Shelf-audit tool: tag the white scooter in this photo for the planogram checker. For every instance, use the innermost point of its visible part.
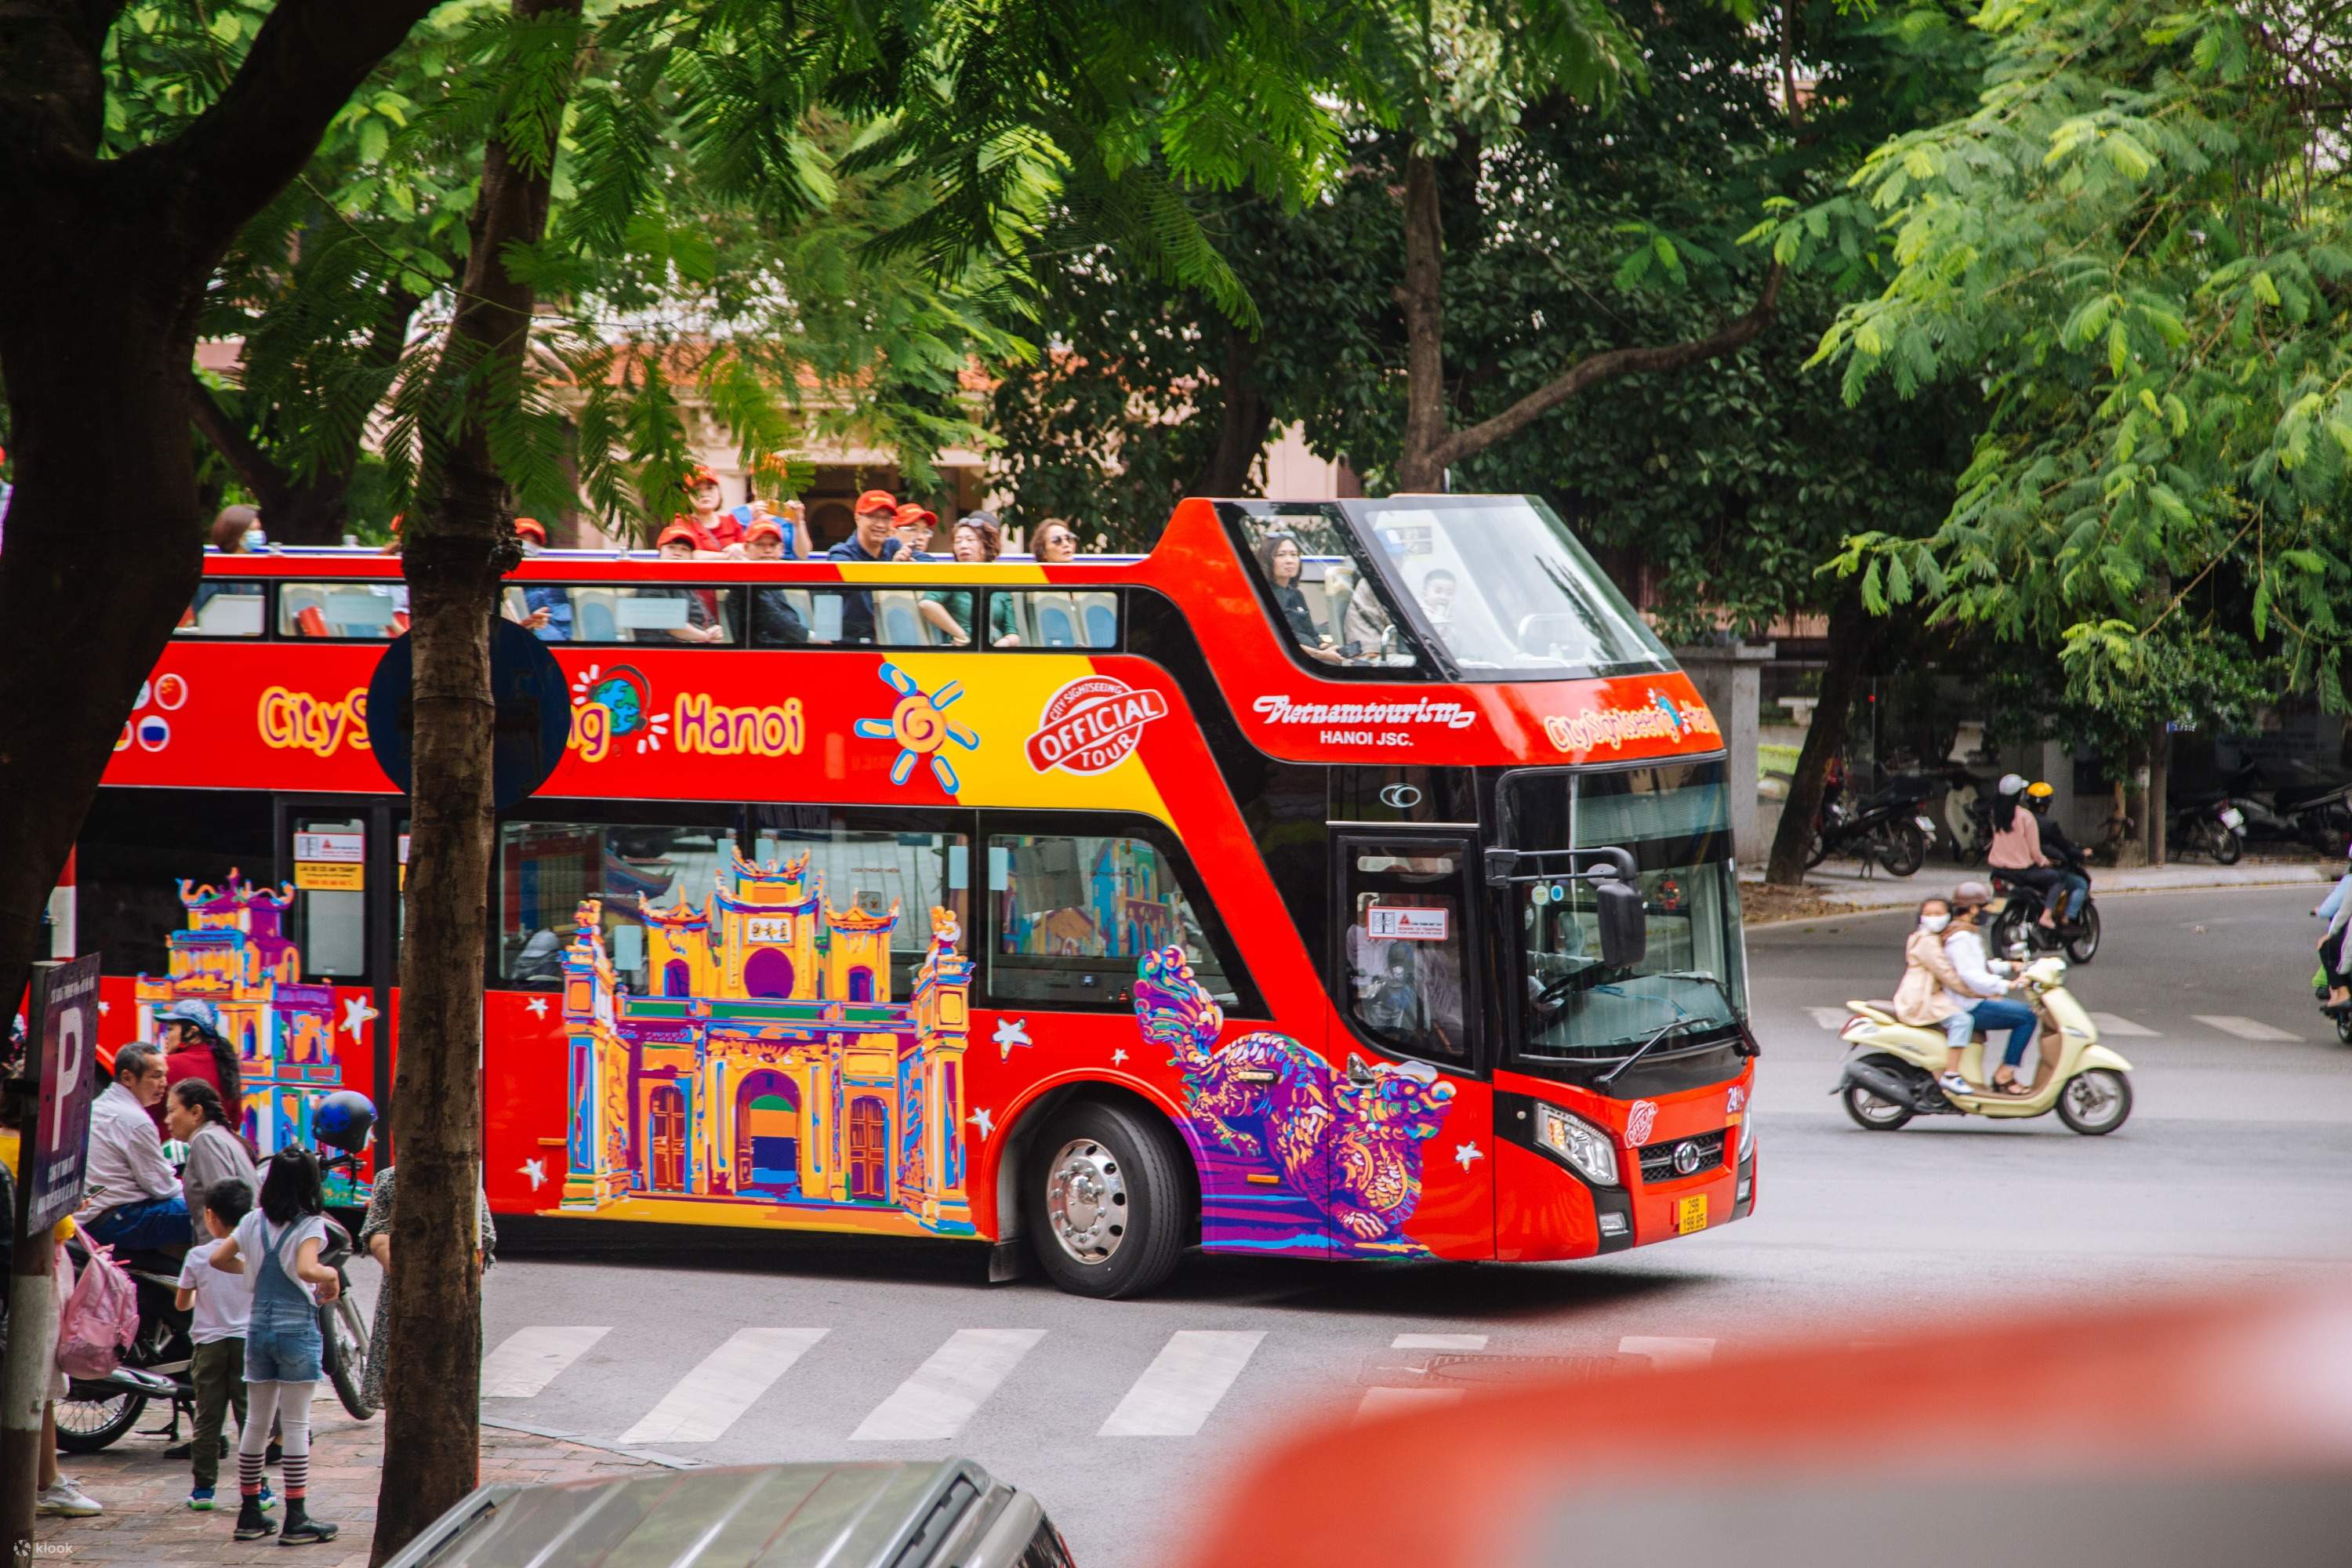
(1891, 1076)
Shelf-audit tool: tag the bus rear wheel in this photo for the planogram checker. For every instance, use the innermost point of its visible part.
(1103, 1201)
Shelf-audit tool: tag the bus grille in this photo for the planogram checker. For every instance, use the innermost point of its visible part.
(1658, 1158)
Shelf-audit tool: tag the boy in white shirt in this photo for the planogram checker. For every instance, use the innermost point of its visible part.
(222, 1303)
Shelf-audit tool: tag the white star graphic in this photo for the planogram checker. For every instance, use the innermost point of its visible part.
(984, 1121)
(104, 1008)
(1465, 1153)
(1010, 1032)
(538, 1005)
(356, 1013)
(536, 1170)
(1117, 1056)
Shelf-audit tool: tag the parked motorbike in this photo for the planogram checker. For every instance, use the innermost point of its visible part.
(2017, 924)
(1891, 1075)
(2313, 809)
(1967, 816)
(2207, 825)
(1891, 826)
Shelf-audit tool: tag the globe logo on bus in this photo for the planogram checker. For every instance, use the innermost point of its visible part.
(1092, 725)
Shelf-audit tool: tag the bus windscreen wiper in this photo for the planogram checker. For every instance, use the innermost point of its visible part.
(1671, 1026)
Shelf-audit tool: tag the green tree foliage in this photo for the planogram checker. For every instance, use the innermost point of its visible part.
(2136, 242)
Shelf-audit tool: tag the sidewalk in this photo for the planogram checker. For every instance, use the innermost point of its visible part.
(147, 1522)
(1840, 887)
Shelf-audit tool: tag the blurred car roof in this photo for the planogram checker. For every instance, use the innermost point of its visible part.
(903, 1515)
(2158, 1436)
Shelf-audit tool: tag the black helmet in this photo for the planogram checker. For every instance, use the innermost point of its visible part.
(343, 1120)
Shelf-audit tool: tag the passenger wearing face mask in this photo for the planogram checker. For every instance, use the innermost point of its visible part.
(1983, 993)
(1924, 1000)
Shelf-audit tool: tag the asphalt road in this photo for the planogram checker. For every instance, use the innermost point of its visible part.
(1122, 1416)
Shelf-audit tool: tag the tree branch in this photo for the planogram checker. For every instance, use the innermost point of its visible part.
(1609, 364)
(309, 59)
(260, 473)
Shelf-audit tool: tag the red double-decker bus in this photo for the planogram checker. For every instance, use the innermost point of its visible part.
(1341, 879)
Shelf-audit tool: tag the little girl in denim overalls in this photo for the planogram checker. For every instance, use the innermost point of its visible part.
(279, 1243)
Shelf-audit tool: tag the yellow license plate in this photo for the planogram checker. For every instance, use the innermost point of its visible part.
(1690, 1213)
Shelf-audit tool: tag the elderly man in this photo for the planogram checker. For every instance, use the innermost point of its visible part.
(132, 1202)
(874, 539)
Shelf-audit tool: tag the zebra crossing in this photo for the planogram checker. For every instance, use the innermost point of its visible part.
(2116, 1026)
(1194, 1373)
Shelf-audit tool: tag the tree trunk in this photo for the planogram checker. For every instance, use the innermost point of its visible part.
(1853, 631)
(2159, 776)
(1422, 295)
(460, 544)
(1244, 420)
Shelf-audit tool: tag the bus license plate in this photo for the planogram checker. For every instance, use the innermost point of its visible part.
(1690, 1213)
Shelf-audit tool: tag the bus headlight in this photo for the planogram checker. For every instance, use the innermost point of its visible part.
(1577, 1141)
(1747, 1137)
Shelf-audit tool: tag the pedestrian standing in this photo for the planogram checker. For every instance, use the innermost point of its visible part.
(60, 1496)
(279, 1245)
(375, 1236)
(218, 1153)
(222, 1305)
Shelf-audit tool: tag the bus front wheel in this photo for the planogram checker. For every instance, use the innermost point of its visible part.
(1103, 1200)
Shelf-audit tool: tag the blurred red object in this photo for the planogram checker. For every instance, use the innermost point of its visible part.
(2189, 1434)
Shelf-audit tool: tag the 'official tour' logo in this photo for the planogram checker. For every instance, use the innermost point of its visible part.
(1093, 724)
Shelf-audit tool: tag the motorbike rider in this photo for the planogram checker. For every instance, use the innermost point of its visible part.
(1984, 991)
(2016, 851)
(2064, 854)
(2337, 911)
(1924, 999)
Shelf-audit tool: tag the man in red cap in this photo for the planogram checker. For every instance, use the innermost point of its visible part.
(548, 608)
(870, 540)
(710, 527)
(703, 623)
(914, 525)
(775, 622)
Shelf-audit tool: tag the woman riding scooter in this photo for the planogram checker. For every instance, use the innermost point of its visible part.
(1983, 993)
(1924, 999)
(2337, 911)
(2016, 851)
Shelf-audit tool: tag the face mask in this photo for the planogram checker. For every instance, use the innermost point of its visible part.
(1934, 922)
(253, 538)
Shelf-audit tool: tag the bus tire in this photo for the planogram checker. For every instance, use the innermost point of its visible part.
(1103, 1200)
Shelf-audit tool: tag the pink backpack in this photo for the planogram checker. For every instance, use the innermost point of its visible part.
(100, 1319)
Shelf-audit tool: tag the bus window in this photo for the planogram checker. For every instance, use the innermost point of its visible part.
(870, 870)
(866, 618)
(1060, 617)
(342, 610)
(224, 610)
(1402, 985)
(1326, 598)
(546, 868)
(628, 613)
(330, 918)
(136, 846)
(1075, 913)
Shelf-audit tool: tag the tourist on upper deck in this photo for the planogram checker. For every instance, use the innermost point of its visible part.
(1437, 591)
(702, 620)
(706, 522)
(949, 611)
(914, 525)
(774, 619)
(547, 610)
(236, 530)
(871, 539)
(1057, 541)
(1279, 559)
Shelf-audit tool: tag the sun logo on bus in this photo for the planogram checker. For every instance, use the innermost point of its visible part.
(916, 723)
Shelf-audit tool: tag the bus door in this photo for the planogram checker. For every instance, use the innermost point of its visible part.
(345, 856)
(1411, 1056)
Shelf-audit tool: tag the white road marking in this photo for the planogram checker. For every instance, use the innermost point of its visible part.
(1831, 1018)
(2114, 1024)
(709, 1400)
(945, 1390)
(530, 1359)
(1438, 1342)
(2244, 1028)
(1666, 1351)
(1394, 1401)
(1191, 1373)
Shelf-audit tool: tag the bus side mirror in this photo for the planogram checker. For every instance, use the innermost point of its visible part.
(1624, 924)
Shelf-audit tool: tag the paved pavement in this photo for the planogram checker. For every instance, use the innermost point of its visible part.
(1124, 1416)
(1869, 887)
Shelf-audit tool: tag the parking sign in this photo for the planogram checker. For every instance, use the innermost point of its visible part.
(65, 1001)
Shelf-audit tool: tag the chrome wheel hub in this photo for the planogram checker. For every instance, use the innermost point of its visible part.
(1085, 1200)
(2091, 1099)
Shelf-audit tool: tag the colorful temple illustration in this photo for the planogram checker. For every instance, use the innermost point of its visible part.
(774, 1071)
(235, 957)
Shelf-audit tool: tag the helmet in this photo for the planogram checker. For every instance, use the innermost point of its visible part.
(343, 1120)
(2039, 789)
(1972, 892)
(189, 1010)
(2012, 784)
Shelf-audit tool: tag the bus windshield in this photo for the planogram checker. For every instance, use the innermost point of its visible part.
(1506, 589)
(1673, 818)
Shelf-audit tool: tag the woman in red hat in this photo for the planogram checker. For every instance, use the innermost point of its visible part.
(703, 623)
(712, 529)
